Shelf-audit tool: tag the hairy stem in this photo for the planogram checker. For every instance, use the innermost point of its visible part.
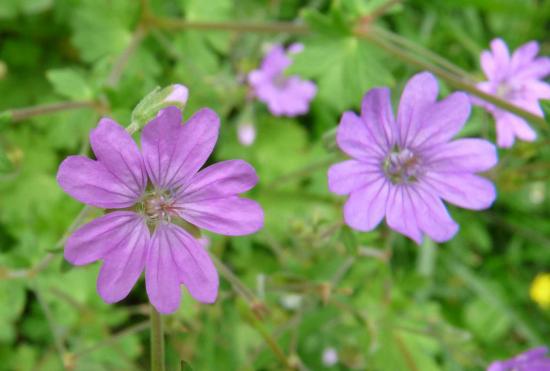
(157, 341)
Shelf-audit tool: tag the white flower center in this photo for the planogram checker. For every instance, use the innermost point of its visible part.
(402, 166)
(157, 206)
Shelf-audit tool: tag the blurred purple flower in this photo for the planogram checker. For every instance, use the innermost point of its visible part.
(532, 360)
(154, 190)
(402, 169)
(517, 79)
(284, 95)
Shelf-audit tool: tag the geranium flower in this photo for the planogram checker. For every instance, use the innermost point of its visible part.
(532, 360)
(149, 195)
(517, 79)
(402, 169)
(284, 95)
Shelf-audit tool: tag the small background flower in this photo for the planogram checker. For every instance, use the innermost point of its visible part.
(284, 95)
(518, 79)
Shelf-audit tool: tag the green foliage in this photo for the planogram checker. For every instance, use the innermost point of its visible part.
(380, 301)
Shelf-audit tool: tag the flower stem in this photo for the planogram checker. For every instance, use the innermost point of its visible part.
(157, 341)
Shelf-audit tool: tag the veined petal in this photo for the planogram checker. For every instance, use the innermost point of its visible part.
(92, 183)
(118, 152)
(354, 138)
(94, 240)
(196, 270)
(347, 176)
(442, 121)
(366, 206)
(465, 190)
(174, 153)
(419, 93)
(176, 257)
(433, 218)
(123, 264)
(226, 178)
(469, 155)
(402, 214)
(230, 216)
(377, 114)
(162, 278)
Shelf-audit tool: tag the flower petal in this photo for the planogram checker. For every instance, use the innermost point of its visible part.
(176, 257)
(501, 58)
(433, 218)
(174, 153)
(419, 93)
(92, 183)
(366, 206)
(196, 270)
(94, 240)
(123, 265)
(162, 277)
(231, 216)
(222, 179)
(470, 155)
(401, 214)
(377, 113)
(524, 55)
(465, 190)
(538, 69)
(350, 175)
(488, 65)
(510, 126)
(354, 138)
(442, 121)
(118, 152)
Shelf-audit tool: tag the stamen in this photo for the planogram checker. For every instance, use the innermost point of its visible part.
(402, 166)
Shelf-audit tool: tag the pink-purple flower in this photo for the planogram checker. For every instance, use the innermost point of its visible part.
(284, 95)
(535, 359)
(518, 79)
(149, 195)
(404, 168)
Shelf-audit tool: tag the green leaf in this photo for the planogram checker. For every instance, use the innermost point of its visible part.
(332, 24)
(344, 67)
(70, 83)
(486, 321)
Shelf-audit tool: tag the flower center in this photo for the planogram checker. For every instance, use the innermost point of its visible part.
(402, 166)
(157, 206)
(505, 91)
(280, 80)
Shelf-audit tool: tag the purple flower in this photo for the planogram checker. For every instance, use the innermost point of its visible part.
(518, 80)
(155, 191)
(284, 95)
(402, 169)
(531, 360)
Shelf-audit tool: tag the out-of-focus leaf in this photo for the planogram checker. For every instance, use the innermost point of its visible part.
(70, 83)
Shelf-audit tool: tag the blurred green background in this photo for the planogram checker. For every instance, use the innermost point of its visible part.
(307, 286)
